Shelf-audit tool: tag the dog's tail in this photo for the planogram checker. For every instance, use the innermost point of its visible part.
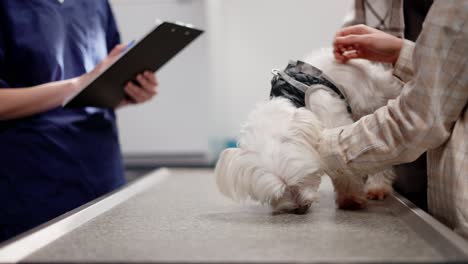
(240, 179)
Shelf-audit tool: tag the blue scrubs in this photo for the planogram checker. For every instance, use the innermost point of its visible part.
(53, 162)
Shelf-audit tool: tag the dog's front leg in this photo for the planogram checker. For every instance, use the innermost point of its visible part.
(349, 191)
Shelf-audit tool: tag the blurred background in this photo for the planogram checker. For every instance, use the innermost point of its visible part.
(207, 91)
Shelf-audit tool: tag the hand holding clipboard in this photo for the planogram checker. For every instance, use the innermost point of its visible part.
(149, 54)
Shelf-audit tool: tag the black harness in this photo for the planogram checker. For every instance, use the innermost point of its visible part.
(299, 80)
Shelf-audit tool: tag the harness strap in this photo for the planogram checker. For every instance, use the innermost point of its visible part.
(325, 82)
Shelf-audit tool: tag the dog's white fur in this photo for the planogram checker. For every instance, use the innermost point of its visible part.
(275, 162)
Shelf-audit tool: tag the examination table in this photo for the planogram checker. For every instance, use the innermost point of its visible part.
(178, 216)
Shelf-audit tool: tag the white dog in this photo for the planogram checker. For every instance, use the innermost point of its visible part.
(275, 162)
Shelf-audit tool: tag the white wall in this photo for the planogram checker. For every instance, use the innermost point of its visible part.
(251, 37)
(244, 40)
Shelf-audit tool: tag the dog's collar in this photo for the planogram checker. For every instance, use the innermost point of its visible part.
(308, 79)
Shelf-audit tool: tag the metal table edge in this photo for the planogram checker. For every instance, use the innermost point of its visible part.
(436, 234)
(18, 248)
(444, 240)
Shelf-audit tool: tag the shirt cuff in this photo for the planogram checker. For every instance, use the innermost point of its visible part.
(403, 68)
(330, 151)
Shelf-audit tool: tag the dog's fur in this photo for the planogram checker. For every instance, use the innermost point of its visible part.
(275, 162)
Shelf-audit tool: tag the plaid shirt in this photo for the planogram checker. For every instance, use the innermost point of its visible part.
(429, 115)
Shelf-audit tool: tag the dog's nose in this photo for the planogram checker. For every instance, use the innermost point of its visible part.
(301, 209)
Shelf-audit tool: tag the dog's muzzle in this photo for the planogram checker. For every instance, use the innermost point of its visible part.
(299, 81)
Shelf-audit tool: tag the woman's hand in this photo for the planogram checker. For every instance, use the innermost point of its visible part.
(147, 82)
(84, 79)
(142, 93)
(365, 42)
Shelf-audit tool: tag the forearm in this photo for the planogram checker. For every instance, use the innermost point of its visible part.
(421, 118)
(387, 137)
(23, 102)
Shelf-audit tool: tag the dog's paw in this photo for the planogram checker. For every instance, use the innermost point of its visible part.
(378, 193)
(379, 185)
(351, 202)
(376, 189)
(298, 210)
(350, 193)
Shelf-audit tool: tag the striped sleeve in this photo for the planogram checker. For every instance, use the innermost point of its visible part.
(422, 117)
(403, 68)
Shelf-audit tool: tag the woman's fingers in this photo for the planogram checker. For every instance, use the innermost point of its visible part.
(117, 50)
(352, 54)
(147, 81)
(134, 92)
(138, 94)
(151, 78)
(354, 30)
(144, 83)
(339, 56)
(106, 62)
(146, 90)
(143, 93)
(350, 40)
(344, 53)
(368, 43)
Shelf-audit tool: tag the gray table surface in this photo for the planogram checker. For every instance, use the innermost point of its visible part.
(185, 219)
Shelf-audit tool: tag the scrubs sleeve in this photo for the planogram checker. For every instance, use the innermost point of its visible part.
(3, 83)
(112, 33)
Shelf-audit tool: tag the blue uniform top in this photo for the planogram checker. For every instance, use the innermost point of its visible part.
(55, 161)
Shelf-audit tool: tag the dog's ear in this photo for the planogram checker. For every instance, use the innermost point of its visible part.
(239, 177)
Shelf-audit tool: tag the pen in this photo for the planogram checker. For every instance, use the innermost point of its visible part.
(129, 45)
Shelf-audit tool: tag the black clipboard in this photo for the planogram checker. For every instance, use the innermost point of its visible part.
(150, 53)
